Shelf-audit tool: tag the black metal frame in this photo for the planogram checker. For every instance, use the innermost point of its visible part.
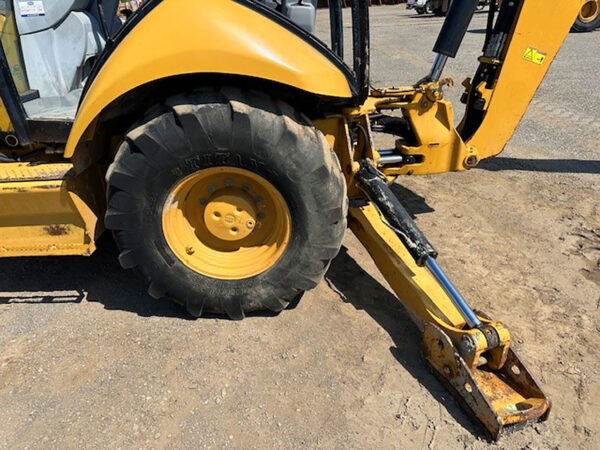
(361, 46)
(337, 27)
(12, 101)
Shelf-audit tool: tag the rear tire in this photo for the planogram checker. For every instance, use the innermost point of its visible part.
(252, 134)
(588, 18)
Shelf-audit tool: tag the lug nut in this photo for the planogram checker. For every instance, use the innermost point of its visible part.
(189, 250)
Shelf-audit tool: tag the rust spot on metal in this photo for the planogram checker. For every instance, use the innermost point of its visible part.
(57, 230)
(498, 398)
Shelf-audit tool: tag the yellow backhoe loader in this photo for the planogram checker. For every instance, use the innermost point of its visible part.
(228, 149)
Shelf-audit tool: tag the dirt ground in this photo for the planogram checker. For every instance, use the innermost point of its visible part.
(87, 359)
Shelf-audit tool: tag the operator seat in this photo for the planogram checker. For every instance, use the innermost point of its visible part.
(59, 49)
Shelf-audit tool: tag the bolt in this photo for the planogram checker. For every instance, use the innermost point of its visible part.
(250, 224)
(246, 186)
(211, 188)
(202, 201)
(258, 199)
(189, 250)
(228, 182)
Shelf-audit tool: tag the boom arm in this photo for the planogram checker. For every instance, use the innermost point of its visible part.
(510, 74)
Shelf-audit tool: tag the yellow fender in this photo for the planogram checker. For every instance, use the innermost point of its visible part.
(178, 37)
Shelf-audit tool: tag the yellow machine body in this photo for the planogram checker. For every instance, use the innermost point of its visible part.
(52, 209)
(48, 210)
(180, 37)
(525, 65)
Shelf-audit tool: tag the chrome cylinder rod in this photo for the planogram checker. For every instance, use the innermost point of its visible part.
(456, 297)
(438, 67)
(391, 159)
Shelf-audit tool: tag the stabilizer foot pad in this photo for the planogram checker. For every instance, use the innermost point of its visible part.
(500, 400)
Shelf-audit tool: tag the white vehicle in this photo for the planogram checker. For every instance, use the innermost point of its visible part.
(420, 6)
(437, 7)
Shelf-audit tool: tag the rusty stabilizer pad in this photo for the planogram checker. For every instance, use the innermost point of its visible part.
(500, 400)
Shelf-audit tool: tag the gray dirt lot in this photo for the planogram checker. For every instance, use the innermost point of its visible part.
(87, 359)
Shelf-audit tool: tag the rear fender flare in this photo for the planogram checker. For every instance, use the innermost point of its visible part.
(179, 37)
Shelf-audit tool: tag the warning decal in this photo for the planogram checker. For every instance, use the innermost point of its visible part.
(33, 8)
(535, 56)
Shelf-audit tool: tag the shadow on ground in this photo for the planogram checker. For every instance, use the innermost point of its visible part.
(365, 293)
(413, 202)
(541, 165)
(98, 278)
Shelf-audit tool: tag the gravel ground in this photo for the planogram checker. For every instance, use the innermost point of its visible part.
(87, 359)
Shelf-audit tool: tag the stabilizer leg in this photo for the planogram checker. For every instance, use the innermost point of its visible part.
(470, 353)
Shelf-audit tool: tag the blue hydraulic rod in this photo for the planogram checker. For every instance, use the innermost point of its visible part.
(456, 297)
(375, 186)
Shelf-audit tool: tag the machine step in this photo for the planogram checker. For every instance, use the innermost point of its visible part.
(48, 209)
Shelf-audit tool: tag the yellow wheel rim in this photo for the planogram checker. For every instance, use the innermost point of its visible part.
(589, 12)
(226, 223)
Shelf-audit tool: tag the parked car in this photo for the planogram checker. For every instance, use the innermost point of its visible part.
(420, 6)
(437, 7)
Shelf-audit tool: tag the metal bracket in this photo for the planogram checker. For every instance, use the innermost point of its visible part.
(499, 399)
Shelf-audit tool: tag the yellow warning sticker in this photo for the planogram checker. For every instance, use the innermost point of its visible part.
(534, 55)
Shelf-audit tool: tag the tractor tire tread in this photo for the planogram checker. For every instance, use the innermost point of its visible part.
(216, 120)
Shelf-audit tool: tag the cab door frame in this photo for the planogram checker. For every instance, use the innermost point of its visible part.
(13, 106)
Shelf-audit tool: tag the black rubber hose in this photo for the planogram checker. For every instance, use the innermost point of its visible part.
(455, 27)
(398, 218)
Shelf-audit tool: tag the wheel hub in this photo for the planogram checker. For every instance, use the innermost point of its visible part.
(231, 214)
(226, 222)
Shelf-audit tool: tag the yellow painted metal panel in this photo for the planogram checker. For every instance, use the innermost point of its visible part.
(39, 218)
(540, 32)
(42, 212)
(416, 287)
(216, 36)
